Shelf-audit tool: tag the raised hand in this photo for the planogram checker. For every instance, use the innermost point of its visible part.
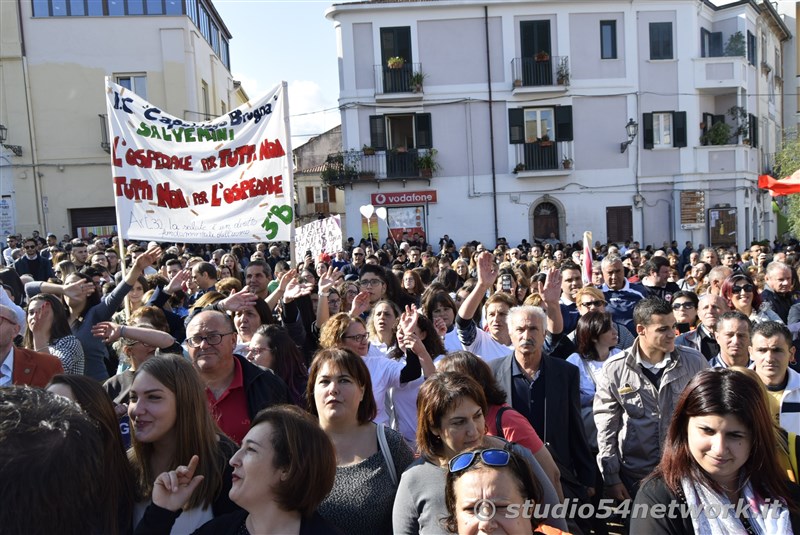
(441, 327)
(178, 281)
(487, 269)
(239, 301)
(107, 330)
(408, 319)
(295, 289)
(551, 289)
(79, 289)
(147, 259)
(173, 489)
(327, 280)
(360, 304)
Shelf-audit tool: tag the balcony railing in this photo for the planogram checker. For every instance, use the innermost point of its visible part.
(346, 167)
(540, 70)
(540, 156)
(398, 80)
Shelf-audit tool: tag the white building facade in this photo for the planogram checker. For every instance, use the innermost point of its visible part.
(525, 106)
(54, 55)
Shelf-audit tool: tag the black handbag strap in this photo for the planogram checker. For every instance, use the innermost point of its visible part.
(498, 421)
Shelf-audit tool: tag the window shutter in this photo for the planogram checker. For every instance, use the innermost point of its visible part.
(753, 127)
(309, 194)
(563, 118)
(377, 132)
(679, 129)
(647, 130)
(423, 126)
(516, 125)
(619, 223)
(716, 45)
(331, 194)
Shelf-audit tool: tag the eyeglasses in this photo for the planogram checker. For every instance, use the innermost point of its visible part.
(688, 305)
(358, 254)
(743, 288)
(359, 338)
(490, 457)
(591, 304)
(370, 282)
(212, 339)
(30, 247)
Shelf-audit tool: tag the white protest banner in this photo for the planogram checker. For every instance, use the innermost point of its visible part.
(225, 180)
(321, 236)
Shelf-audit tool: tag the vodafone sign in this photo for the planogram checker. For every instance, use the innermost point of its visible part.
(403, 198)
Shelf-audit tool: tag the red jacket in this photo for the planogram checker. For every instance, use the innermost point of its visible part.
(34, 369)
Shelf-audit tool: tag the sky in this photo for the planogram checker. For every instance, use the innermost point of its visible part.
(290, 41)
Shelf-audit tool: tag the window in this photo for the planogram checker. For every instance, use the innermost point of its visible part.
(710, 44)
(400, 131)
(320, 194)
(538, 123)
(526, 125)
(752, 54)
(135, 82)
(664, 129)
(608, 39)
(204, 96)
(619, 223)
(661, 40)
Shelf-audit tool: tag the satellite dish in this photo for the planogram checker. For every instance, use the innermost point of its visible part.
(381, 212)
(367, 210)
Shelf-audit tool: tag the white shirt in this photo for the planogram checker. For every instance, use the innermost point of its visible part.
(385, 373)
(488, 348)
(7, 368)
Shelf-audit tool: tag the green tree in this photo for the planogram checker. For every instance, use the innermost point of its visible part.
(787, 161)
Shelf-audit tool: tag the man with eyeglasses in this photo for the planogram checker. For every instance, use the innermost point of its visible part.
(31, 263)
(235, 388)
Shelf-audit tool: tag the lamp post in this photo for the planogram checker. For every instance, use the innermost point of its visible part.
(16, 149)
(632, 128)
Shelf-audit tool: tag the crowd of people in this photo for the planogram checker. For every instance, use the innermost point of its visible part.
(406, 387)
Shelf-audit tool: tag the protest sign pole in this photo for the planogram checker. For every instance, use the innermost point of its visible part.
(289, 171)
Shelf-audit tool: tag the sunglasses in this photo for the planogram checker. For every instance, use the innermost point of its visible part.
(489, 457)
(744, 287)
(589, 304)
(688, 305)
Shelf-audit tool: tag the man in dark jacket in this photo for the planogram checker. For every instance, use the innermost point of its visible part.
(777, 293)
(235, 388)
(31, 263)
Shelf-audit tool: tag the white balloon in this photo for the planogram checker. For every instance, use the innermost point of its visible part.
(367, 210)
(381, 212)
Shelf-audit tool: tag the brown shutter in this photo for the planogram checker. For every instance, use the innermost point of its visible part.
(309, 194)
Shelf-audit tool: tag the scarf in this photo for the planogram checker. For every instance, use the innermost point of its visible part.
(713, 513)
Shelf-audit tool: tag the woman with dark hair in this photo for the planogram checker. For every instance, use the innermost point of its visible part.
(272, 347)
(283, 470)
(684, 306)
(741, 294)
(117, 491)
(449, 279)
(412, 284)
(480, 478)
(86, 309)
(450, 419)
(48, 332)
(720, 455)
(439, 306)
(171, 423)
(369, 457)
(381, 283)
(247, 321)
(596, 339)
(501, 419)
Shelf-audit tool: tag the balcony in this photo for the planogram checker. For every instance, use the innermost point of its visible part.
(399, 83)
(345, 168)
(719, 75)
(543, 158)
(727, 159)
(540, 74)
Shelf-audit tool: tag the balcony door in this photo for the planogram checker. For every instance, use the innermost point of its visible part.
(536, 51)
(396, 42)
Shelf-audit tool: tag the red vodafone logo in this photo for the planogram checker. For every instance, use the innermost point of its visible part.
(403, 197)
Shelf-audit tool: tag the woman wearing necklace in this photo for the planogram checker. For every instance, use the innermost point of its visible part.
(719, 455)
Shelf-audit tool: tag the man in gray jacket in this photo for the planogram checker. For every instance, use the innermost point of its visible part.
(636, 394)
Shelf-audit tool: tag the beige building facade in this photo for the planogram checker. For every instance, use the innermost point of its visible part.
(54, 56)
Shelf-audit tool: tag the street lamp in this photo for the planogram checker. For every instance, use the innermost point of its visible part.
(16, 149)
(632, 128)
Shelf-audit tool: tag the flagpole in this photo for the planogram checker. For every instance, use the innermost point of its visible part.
(289, 183)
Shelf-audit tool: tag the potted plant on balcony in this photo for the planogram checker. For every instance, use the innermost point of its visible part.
(395, 62)
(416, 81)
(718, 134)
(735, 45)
(519, 168)
(427, 163)
(566, 163)
(544, 141)
(367, 150)
(541, 56)
(562, 73)
(517, 82)
(741, 121)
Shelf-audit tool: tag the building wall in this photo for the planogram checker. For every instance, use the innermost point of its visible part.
(63, 165)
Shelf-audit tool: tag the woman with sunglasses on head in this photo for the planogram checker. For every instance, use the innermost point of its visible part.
(684, 306)
(48, 332)
(489, 491)
(451, 410)
(369, 457)
(590, 299)
(720, 455)
(344, 332)
(741, 294)
(282, 472)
